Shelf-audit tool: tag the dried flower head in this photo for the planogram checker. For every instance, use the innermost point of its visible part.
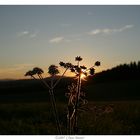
(37, 70)
(97, 63)
(29, 73)
(78, 58)
(72, 70)
(83, 67)
(53, 70)
(75, 66)
(62, 64)
(92, 71)
(68, 65)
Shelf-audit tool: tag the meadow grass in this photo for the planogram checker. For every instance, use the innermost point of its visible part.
(37, 119)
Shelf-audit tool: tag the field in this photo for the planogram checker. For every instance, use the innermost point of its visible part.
(30, 112)
(37, 118)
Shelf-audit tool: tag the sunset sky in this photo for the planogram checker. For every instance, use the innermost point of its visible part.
(42, 35)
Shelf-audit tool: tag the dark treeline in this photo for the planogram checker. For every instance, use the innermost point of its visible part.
(120, 82)
(121, 72)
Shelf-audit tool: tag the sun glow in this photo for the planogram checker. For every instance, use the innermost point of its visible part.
(82, 76)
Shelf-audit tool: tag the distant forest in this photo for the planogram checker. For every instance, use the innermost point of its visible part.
(121, 72)
(119, 83)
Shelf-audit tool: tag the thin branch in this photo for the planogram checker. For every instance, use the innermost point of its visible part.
(33, 77)
(60, 78)
(53, 102)
(55, 111)
(72, 114)
(52, 81)
(42, 79)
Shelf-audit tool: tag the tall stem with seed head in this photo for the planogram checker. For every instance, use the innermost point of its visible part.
(39, 71)
(75, 128)
(52, 70)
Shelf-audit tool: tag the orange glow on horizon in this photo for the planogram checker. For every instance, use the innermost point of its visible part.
(82, 76)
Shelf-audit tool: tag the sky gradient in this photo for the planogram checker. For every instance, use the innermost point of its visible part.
(42, 35)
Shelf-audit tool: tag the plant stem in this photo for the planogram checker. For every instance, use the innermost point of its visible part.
(76, 104)
(55, 111)
(33, 77)
(77, 100)
(68, 121)
(60, 78)
(42, 79)
(52, 98)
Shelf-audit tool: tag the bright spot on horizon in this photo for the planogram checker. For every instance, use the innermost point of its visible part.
(82, 76)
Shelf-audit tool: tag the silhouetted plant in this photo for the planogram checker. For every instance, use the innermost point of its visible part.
(75, 93)
(53, 71)
(30, 73)
(97, 63)
(71, 95)
(78, 58)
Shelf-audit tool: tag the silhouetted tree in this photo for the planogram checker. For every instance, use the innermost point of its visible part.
(120, 72)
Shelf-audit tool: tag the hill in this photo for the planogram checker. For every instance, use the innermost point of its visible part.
(119, 83)
(121, 72)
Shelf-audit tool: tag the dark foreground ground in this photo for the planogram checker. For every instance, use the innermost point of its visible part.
(24, 110)
(37, 118)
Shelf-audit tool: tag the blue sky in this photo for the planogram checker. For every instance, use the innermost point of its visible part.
(43, 35)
